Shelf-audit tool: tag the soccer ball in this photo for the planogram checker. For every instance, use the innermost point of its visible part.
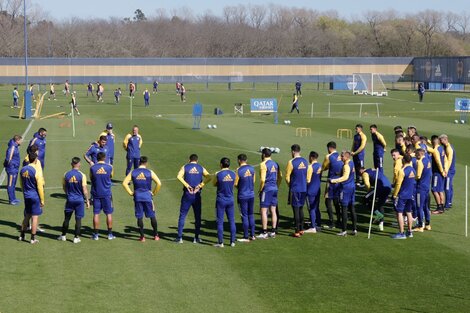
(456, 121)
(214, 126)
(272, 149)
(209, 126)
(261, 148)
(288, 122)
(277, 150)
(462, 121)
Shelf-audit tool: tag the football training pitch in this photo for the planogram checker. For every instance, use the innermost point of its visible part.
(316, 273)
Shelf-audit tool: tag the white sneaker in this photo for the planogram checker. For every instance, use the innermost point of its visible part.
(253, 238)
(33, 242)
(111, 237)
(354, 233)
(20, 238)
(232, 244)
(343, 233)
(219, 245)
(62, 238)
(76, 240)
(243, 240)
(272, 234)
(311, 230)
(197, 240)
(381, 226)
(262, 236)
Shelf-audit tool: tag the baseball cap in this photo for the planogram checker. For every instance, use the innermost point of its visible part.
(109, 126)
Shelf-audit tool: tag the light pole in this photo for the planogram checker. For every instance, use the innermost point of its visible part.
(27, 92)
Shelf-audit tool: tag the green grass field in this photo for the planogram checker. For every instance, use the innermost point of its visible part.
(317, 273)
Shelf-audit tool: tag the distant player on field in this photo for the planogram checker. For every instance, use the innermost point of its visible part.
(146, 94)
(295, 104)
(182, 93)
(52, 91)
(75, 188)
(224, 180)
(16, 96)
(421, 91)
(142, 178)
(117, 95)
(155, 87)
(131, 89)
(66, 88)
(89, 90)
(73, 103)
(298, 88)
(245, 182)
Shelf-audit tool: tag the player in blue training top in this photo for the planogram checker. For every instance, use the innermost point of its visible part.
(146, 94)
(295, 104)
(245, 183)
(110, 140)
(132, 144)
(403, 195)
(100, 176)
(334, 165)
(143, 194)
(358, 150)
(193, 177)
(449, 168)
(379, 147)
(33, 191)
(224, 180)
(270, 179)
(89, 89)
(383, 190)
(95, 148)
(16, 96)
(296, 179)
(155, 87)
(298, 88)
(39, 139)
(423, 185)
(75, 188)
(12, 166)
(347, 193)
(314, 191)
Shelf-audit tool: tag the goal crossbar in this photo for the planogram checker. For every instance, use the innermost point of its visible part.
(360, 104)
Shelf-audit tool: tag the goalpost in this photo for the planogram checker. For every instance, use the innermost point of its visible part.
(350, 108)
(368, 84)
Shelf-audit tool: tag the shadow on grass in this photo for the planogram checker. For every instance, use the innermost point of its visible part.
(12, 225)
(58, 195)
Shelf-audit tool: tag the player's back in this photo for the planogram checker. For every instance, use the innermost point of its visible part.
(272, 169)
(298, 177)
(225, 183)
(73, 183)
(246, 178)
(101, 180)
(142, 181)
(29, 182)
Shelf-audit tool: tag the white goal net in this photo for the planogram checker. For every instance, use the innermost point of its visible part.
(367, 84)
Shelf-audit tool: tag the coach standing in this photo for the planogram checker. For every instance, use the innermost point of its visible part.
(132, 144)
(245, 182)
(110, 139)
(12, 166)
(358, 150)
(39, 139)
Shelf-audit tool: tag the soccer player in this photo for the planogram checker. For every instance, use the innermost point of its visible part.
(224, 180)
(379, 147)
(296, 179)
(75, 188)
(100, 176)
(52, 91)
(117, 95)
(99, 92)
(411, 131)
(182, 93)
(423, 184)
(295, 104)
(400, 145)
(438, 174)
(131, 89)
(110, 140)
(132, 144)
(298, 88)
(89, 90)
(193, 177)
(178, 88)
(397, 164)
(449, 168)
(313, 192)
(346, 196)
(73, 102)
(334, 165)
(12, 166)
(270, 178)
(16, 96)
(403, 195)
(66, 88)
(421, 91)
(384, 187)
(142, 178)
(155, 87)
(245, 181)
(91, 156)
(358, 151)
(33, 192)
(39, 139)
(146, 94)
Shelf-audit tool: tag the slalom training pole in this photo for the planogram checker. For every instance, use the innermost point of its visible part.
(130, 107)
(311, 112)
(466, 201)
(373, 203)
(73, 120)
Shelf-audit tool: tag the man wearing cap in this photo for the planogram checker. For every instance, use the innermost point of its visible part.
(110, 139)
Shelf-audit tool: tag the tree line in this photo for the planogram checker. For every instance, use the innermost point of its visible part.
(240, 31)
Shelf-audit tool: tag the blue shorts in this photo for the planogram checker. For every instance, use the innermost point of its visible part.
(268, 199)
(333, 190)
(32, 207)
(105, 204)
(144, 207)
(437, 183)
(347, 197)
(77, 206)
(404, 205)
(297, 199)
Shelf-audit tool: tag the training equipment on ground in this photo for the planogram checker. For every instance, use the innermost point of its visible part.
(197, 114)
(214, 126)
(53, 115)
(462, 106)
(303, 131)
(373, 203)
(456, 121)
(352, 104)
(341, 131)
(238, 108)
(368, 84)
(209, 126)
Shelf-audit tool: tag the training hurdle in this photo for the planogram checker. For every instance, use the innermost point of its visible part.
(341, 131)
(238, 108)
(53, 115)
(300, 131)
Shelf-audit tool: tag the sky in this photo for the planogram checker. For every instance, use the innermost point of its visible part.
(60, 10)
